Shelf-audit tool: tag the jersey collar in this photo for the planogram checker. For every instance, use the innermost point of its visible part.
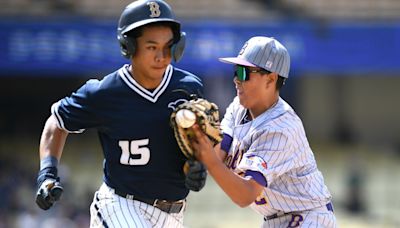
(152, 96)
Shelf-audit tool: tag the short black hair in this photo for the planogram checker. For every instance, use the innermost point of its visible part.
(280, 82)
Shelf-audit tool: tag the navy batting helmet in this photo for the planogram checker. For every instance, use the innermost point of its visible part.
(143, 12)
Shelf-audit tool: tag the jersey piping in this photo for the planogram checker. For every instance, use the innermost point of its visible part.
(60, 121)
(135, 86)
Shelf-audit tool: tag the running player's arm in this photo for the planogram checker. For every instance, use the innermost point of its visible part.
(52, 140)
(70, 115)
(242, 191)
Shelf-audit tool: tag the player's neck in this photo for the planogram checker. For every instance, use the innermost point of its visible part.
(147, 82)
(264, 106)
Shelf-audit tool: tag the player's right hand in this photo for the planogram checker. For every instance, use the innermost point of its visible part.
(49, 188)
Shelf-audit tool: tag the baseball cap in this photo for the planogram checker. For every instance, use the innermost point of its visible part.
(263, 52)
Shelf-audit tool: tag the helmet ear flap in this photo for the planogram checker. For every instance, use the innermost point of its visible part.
(179, 47)
(127, 44)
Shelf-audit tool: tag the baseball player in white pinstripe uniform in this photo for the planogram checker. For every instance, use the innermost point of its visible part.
(265, 145)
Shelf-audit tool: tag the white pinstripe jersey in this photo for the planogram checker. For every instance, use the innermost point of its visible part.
(274, 150)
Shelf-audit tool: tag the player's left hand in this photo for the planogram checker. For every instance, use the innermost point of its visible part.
(196, 175)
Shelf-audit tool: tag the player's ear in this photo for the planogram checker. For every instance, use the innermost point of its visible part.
(271, 79)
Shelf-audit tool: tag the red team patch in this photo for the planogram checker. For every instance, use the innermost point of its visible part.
(264, 164)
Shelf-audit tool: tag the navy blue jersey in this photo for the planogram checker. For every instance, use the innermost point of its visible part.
(141, 155)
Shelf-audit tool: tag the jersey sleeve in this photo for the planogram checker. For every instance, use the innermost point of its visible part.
(228, 121)
(198, 88)
(270, 154)
(78, 111)
(189, 83)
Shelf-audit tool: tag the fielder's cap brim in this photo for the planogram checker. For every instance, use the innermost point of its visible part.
(237, 61)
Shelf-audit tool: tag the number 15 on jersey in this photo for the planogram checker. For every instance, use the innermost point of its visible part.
(134, 152)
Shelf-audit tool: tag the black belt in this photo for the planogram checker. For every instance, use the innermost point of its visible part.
(164, 205)
(329, 207)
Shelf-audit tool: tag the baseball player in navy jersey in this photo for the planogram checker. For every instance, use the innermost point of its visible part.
(144, 183)
(264, 144)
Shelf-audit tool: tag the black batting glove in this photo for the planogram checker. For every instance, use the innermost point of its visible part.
(196, 175)
(49, 188)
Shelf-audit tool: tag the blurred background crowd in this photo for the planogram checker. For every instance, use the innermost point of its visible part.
(344, 84)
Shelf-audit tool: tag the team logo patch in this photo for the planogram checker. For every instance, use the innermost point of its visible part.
(258, 162)
(262, 166)
(243, 48)
(268, 64)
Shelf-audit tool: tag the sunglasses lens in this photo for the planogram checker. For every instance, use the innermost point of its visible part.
(241, 73)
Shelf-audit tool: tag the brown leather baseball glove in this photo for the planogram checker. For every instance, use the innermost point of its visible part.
(206, 115)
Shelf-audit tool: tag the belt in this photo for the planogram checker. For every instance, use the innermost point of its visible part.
(164, 205)
(328, 206)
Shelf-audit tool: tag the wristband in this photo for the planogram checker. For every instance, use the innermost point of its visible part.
(226, 142)
(48, 161)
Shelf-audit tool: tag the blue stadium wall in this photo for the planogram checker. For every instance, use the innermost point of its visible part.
(64, 47)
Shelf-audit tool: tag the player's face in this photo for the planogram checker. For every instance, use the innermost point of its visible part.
(152, 55)
(253, 89)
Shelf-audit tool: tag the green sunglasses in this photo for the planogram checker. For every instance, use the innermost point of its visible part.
(243, 73)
